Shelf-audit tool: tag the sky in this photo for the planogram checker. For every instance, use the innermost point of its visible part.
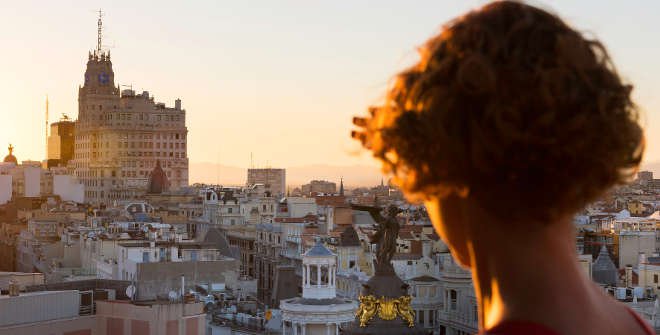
(278, 81)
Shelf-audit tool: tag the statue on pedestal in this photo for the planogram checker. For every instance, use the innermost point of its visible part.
(385, 306)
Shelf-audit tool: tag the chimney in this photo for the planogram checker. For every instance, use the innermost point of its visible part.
(14, 288)
(177, 104)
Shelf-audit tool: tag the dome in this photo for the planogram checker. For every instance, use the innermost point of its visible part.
(603, 270)
(349, 238)
(158, 182)
(10, 158)
(318, 250)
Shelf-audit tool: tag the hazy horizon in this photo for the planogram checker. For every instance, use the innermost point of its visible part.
(278, 82)
(354, 176)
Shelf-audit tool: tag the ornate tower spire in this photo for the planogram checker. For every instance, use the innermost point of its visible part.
(341, 186)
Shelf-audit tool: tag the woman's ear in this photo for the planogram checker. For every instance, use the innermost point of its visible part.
(449, 217)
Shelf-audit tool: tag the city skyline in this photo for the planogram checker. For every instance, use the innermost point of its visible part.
(252, 76)
(329, 168)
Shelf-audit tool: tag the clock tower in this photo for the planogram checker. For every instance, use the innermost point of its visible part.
(98, 93)
(98, 104)
(121, 137)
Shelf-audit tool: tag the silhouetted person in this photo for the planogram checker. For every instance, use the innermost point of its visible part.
(509, 124)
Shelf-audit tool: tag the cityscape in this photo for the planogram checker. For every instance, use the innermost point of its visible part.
(110, 233)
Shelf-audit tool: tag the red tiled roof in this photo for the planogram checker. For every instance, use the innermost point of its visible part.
(405, 256)
(331, 200)
(406, 235)
(305, 219)
(413, 228)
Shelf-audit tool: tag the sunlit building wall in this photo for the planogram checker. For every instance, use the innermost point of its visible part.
(120, 135)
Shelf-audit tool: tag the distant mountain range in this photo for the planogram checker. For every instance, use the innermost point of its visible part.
(354, 176)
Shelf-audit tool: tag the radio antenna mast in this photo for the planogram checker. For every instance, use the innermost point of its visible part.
(46, 126)
(99, 33)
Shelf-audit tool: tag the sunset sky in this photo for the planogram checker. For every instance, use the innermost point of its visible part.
(278, 79)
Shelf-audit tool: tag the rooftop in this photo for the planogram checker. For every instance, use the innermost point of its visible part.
(318, 250)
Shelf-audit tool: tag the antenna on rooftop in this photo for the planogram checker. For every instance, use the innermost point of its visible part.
(218, 168)
(251, 161)
(99, 32)
(46, 126)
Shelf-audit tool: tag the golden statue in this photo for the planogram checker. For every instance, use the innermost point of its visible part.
(367, 309)
(405, 311)
(387, 309)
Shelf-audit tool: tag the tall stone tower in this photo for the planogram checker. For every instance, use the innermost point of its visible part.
(120, 136)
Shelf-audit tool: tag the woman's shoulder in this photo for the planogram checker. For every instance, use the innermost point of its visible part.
(533, 328)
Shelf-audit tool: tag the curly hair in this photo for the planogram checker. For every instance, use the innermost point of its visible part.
(512, 104)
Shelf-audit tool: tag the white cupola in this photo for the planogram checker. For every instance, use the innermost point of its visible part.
(319, 273)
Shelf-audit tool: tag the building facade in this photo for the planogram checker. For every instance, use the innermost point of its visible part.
(61, 142)
(269, 245)
(319, 186)
(120, 136)
(273, 179)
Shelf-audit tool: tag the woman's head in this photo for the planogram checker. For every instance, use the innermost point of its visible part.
(512, 108)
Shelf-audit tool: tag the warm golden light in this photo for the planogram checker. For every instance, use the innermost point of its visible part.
(492, 305)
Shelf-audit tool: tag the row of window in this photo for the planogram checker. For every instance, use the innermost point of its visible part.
(130, 116)
(139, 136)
(133, 144)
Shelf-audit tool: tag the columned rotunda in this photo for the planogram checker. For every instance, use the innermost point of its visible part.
(319, 311)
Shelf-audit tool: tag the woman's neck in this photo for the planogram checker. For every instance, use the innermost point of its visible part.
(528, 275)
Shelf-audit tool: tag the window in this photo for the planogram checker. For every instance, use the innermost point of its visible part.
(145, 257)
(229, 210)
(453, 300)
(655, 279)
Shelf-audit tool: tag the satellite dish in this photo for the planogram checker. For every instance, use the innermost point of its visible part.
(130, 291)
(173, 295)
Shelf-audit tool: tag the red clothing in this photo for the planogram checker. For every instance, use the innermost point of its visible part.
(532, 328)
(520, 328)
